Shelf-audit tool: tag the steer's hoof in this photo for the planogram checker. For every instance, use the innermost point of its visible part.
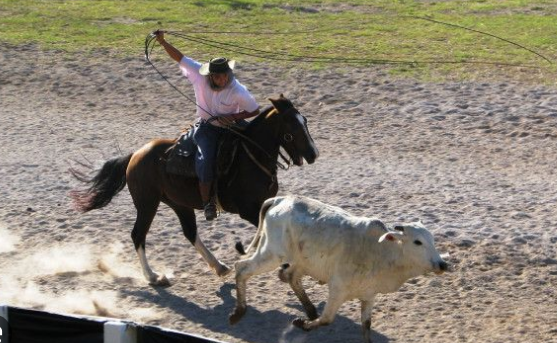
(300, 323)
(312, 314)
(236, 316)
(159, 281)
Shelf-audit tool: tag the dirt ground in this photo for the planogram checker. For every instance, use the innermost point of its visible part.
(474, 161)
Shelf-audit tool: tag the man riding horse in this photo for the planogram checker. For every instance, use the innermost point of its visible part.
(221, 100)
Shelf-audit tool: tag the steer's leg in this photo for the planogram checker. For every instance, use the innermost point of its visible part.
(262, 261)
(336, 298)
(367, 306)
(295, 282)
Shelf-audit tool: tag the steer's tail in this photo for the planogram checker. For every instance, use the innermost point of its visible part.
(262, 212)
(108, 182)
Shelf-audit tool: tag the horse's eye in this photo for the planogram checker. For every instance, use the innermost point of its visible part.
(417, 242)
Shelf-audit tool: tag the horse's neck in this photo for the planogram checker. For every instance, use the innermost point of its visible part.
(263, 131)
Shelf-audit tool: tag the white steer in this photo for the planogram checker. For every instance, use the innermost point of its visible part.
(357, 257)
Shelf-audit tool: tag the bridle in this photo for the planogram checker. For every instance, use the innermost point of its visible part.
(287, 137)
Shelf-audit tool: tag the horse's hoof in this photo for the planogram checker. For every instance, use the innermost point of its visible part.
(237, 315)
(300, 323)
(160, 281)
(224, 270)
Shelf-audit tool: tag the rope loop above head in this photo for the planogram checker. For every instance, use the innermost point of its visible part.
(149, 46)
(287, 57)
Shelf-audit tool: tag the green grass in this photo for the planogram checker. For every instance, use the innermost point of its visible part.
(381, 30)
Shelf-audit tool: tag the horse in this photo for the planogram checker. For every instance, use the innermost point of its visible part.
(251, 181)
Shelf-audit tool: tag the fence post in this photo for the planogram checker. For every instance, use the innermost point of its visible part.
(119, 332)
(4, 312)
(3, 328)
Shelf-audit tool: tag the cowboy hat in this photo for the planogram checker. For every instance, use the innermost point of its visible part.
(217, 65)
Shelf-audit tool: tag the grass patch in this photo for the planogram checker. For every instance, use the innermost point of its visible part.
(358, 29)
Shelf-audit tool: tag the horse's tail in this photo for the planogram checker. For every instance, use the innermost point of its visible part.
(108, 182)
(255, 242)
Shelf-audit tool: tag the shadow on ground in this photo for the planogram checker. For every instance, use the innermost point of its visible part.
(275, 324)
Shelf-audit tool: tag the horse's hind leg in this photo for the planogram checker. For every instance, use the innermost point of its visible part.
(145, 215)
(189, 227)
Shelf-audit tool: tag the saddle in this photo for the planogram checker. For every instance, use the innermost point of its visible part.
(180, 157)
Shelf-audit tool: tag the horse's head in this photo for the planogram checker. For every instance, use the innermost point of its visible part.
(293, 132)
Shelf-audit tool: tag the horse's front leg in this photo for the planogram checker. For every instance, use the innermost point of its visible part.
(153, 278)
(189, 227)
(220, 268)
(250, 211)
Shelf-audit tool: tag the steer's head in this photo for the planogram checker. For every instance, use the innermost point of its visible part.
(418, 250)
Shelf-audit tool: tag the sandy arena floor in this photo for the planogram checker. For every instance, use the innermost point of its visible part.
(474, 161)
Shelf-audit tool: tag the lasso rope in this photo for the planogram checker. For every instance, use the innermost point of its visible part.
(484, 33)
(278, 56)
(150, 41)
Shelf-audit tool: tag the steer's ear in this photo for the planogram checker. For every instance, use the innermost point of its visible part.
(389, 236)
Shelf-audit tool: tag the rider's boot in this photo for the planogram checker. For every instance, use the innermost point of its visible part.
(209, 205)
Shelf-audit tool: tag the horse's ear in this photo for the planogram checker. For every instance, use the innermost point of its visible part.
(275, 102)
(281, 104)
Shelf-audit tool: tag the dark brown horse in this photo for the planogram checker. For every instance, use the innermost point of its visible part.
(243, 190)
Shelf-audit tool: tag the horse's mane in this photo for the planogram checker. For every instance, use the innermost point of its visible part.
(262, 116)
(279, 105)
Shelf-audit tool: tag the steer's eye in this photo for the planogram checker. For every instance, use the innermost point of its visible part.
(417, 242)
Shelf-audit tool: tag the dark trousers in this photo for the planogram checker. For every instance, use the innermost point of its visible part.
(206, 137)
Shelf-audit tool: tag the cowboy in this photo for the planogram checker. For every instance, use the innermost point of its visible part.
(221, 100)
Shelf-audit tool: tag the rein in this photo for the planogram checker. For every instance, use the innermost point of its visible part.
(271, 174)
(254, 143)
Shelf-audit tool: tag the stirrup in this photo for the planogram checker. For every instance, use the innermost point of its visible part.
(210, 210)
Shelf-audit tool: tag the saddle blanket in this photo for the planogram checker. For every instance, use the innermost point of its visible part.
(181, 156)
